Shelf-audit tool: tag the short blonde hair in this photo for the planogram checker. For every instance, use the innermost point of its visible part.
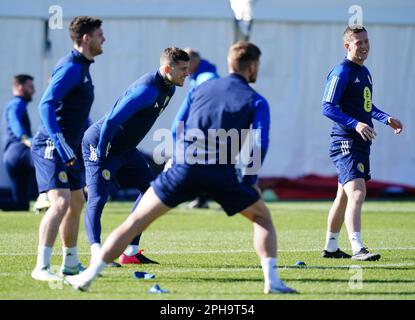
(354, 29)
(242, 54)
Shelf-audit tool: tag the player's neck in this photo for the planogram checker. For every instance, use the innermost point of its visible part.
(355, 60)
(84, 51)
(165, 78)
(244, 75)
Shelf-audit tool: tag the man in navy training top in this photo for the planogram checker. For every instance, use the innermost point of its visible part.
(17, 135)
(200, 71)
(227, 103)
(64, 110)
(110, 145)
(348, 102)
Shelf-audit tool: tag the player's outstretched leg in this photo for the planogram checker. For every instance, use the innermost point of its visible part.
(265, 244)
(149, 209)
(356, 193)
(334, 223)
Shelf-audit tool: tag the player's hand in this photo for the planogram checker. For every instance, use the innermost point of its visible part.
(366, 131)
(395, 124)
(71, 162)
(27, 142)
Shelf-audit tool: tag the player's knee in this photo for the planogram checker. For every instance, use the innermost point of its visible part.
(357, 196)
(259, 214)
(60, 204)
(97, 203)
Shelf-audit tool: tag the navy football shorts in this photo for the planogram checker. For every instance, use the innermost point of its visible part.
(350, 161)
(52, 173)
(126, 170)
(184, 182)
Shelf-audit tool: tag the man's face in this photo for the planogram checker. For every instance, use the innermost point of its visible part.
(358, 47)
(178, 72)
(95, 41)
(253, 69)
(27, 90)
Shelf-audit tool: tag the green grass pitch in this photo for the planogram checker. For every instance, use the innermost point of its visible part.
(204, 254)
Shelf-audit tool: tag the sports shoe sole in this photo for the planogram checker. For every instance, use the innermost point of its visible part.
(281, 291)
(77, 287)
(335, 255)
(370, 257)
(45, 279)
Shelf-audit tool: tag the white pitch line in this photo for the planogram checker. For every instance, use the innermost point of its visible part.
(283, 268)
(231, 269)
(206, 251)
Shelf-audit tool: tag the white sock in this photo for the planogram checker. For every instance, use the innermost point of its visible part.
(42, 197)
(356, 242)
(95, 250)
(94, 269)
(70, 256)
(332, 241)
(43, 257)
(270, 270)
(131, 250)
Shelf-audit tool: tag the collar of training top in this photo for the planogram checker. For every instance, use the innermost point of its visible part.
(81, 57)
(236, 75)
(164, 82)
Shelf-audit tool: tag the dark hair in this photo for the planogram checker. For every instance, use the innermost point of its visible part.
(83, 25)
(20, 79)
(173, 55)
(242, 54)
(353, 29)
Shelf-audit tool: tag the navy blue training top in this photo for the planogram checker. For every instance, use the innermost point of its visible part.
(348, 100)
(228, 104)
(16, 123)
(133, 115)
(65, 105)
